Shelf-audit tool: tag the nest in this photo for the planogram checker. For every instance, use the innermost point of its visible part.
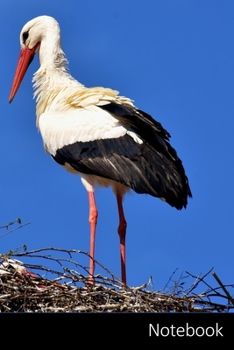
(28, 287)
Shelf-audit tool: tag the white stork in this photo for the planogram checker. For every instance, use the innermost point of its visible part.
(97, 133)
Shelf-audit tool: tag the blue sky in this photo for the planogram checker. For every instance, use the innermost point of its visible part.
(175, 60)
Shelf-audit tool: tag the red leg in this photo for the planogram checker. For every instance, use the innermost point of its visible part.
(93, 214)
(122, 234)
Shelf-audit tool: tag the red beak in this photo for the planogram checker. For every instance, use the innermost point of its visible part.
(26, 57)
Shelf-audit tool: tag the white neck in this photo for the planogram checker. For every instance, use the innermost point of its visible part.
(52, 78)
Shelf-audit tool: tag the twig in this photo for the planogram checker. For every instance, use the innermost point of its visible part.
(15, 229)
(223, 288)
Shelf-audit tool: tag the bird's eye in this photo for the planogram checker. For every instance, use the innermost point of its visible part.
(25, 36)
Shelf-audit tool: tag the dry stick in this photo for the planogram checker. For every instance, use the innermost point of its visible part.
(15, 229)
(69, 251)
(223, 288)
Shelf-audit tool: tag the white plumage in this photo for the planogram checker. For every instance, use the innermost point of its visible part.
(97, 133)
(59, 129)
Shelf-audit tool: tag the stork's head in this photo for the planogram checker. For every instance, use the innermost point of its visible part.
(31, 36)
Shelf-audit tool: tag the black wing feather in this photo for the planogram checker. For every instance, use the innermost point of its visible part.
(138, 166)
(152, 132)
